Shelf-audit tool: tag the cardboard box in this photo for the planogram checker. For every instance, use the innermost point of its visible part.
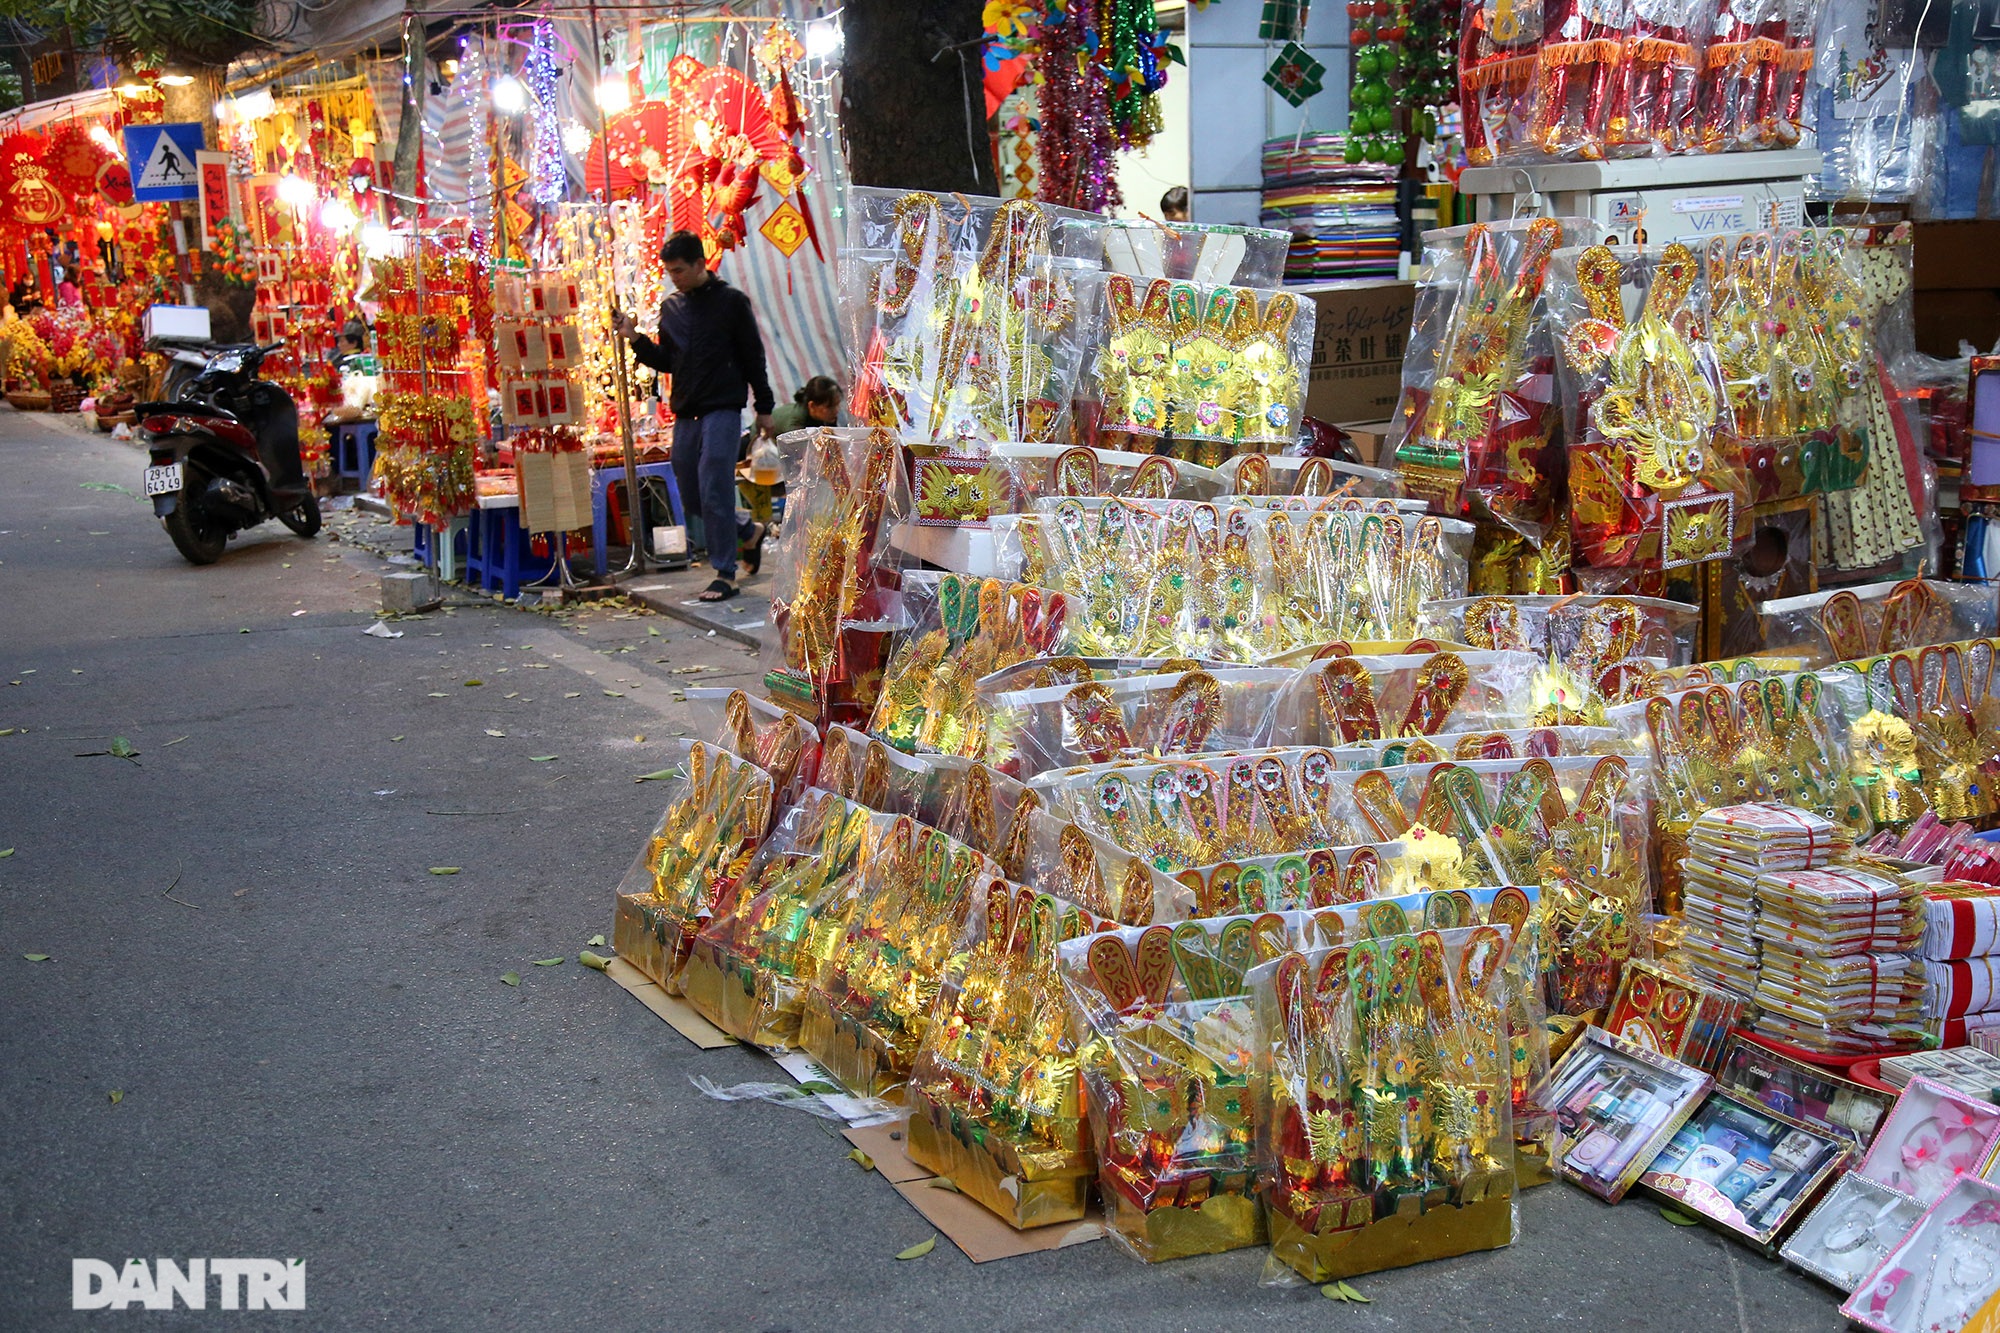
(1673, 199)
(1370, 438)
(1360, 329)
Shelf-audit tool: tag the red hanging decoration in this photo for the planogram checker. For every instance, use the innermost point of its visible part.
(27, 197)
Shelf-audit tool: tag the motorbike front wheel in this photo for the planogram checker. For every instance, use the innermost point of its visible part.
(199, 539)
(304, 519)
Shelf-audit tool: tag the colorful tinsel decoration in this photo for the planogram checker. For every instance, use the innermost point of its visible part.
(1097, 66)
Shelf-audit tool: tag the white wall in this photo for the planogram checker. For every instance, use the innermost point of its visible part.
(1235, 111)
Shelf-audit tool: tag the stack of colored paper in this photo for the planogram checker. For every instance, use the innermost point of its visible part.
(1343, 217)
(1839, 972)
(1728, 849)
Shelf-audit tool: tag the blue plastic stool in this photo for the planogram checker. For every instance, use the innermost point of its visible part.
(600, 507)
(354, 451)
(508, 552)
(442, 552)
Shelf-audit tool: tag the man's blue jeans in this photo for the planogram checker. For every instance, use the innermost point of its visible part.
(705, 449)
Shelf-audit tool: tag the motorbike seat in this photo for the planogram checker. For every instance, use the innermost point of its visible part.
(190, 409)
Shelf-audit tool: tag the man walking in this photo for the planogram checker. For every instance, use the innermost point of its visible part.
(709, 344)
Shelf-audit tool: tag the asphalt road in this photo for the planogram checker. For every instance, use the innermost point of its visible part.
(314, 1056)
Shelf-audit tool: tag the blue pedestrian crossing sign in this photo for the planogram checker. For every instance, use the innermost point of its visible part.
(161, 159)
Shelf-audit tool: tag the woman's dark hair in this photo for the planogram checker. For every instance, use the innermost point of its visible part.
(684, 246)
(1174, 200)
(819, 391)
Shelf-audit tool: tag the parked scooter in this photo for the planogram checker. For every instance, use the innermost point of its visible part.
(224, 456)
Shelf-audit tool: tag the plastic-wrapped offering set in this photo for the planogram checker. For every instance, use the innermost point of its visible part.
(1198, 252)
(1777, 739)
(974, 626)
(871, 1001)
(972, 316)
(1473, 430)
(1200, 372)
(1168, 1058)
(1344, 700)
(773, 738)
(1054, 471)
(716, 814)
(1611, 647)
(1929, 740)
(835, 572)
(1728, 850)
(1876, 618)
(1838, 970)
(996, 1097)
(1570, 79)
(1201, 811)
(1231, 583)
(1293, 881)
(1507, 743)
(1654, 474)
(1141, 717)
(1271, 475)
(1576, 827)
(1388, 1100)
(750, 967)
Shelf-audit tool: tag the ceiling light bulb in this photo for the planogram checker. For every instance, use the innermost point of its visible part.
(614, 94)
(297, 191)
(823, 39)
(510, 95)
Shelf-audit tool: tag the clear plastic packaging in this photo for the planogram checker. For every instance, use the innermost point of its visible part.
(750, 967)
(1296, 881)
(1851, 1231)
(1498, 63)
(971, 316)
(1201, 811)
(1169, 1058)
(1200, 372)
(1277, 474)
(1197, 252)
(717, 813)
(929, 698)
(834, 573)
(1077, 670)
(1509, 743)
(1577, 827)
(1746, 1168)
(1343, 700)
(1479, 442)
(1059, 471)
(775, 739)
(1653, 109)
(1877, 618)
(1924, 729)
(1599, 650)
(870, 1003)
(870, 772)
(1932, 1135)
(1064, 858)
(1386, 1098)
(1753, 85)
(981, 807)
(1655, 478)
(1094, 722)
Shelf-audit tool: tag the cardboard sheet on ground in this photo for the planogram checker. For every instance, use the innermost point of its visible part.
(681, 1016)
(978, 1233)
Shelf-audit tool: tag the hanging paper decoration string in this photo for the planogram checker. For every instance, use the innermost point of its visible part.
(1295, 75)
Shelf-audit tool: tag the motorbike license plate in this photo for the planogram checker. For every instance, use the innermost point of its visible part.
(163, 480)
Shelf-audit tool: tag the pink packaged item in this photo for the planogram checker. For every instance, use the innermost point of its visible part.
(1942, 1273)
(1932, 1136)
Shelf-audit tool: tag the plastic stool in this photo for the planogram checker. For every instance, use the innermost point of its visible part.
(600, 505)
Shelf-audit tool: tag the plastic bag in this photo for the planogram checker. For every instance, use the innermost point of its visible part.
(1201, 811)
(1168, 1059)
(750, 967)
(1056, 471)
(974, 626)
(1655, 478)
(971, 315)
(1597, 650)
(981, 807)
(1478, 444)
(1296, 881)
(1198, 252)
(1579, 828)
(870, 1002)
(996, 1096)
(1093, 722)
(1507, 743)
(1200, 372)
(716, 815)
(1387, 1092)
(870, 772)
(775, 739)
(1924, 731)
(1275, 474)
(835, 573)
(1062, 857)
(1347, 699)
(1876, 618)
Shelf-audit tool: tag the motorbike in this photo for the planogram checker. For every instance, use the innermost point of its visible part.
(223, 455)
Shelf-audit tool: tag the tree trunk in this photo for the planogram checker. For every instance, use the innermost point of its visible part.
(913, 97)
(410, 128)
